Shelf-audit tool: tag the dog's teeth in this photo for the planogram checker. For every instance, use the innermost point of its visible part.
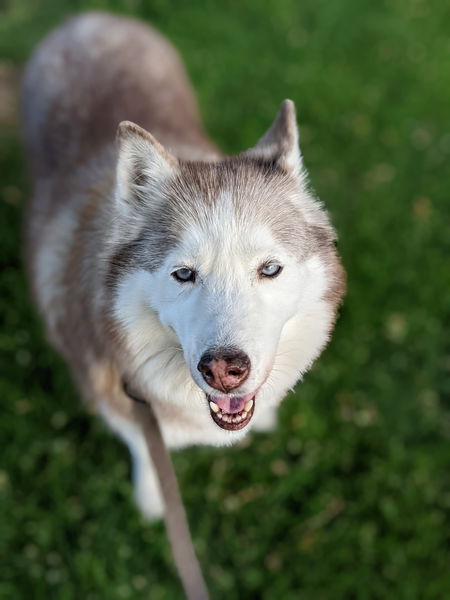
(249, 405)
(220, 415)
(244, 415)
(214, 407)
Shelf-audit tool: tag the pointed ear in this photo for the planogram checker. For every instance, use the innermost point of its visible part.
(280, 142)
(143, 165)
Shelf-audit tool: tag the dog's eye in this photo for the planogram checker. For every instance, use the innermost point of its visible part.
(270, 270)
(184, 274)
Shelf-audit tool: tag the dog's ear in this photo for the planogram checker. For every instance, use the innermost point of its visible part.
(280, 143)
(143, 165)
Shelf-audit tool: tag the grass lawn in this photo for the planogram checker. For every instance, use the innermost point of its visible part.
(350, 497)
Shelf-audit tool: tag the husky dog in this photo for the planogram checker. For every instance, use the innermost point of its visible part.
(210, 282)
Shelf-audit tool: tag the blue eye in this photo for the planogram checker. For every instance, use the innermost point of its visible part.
(270, 270)
(184, 275)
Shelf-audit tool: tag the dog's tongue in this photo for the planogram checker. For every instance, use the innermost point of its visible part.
(231, 404)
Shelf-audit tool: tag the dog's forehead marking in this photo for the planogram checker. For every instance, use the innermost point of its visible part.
(230, 202)
(244, 194)
(224, 237)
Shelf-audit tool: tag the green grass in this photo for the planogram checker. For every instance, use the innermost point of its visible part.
(350, 497)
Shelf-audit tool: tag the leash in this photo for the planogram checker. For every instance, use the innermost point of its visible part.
(175, 516)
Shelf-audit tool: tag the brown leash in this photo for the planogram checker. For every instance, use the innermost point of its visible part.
(175, 516)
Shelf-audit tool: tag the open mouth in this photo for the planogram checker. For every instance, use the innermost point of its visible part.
(232, 412)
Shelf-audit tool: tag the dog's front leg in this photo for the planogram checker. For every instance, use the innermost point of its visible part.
(147, 491)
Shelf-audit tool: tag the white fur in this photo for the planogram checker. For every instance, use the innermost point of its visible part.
(147, 491)
(282, 323)
(103, 244)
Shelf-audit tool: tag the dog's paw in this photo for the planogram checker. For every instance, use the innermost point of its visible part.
(148, 499)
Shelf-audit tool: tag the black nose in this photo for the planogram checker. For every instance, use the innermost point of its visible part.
(224, 369)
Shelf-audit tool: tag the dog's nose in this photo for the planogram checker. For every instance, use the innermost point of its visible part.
(224, 370)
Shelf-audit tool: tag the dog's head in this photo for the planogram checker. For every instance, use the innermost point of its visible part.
(236, 260)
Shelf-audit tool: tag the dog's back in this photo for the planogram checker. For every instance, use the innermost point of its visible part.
(95, 71)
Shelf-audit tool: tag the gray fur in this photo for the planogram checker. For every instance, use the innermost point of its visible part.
(103, 217)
